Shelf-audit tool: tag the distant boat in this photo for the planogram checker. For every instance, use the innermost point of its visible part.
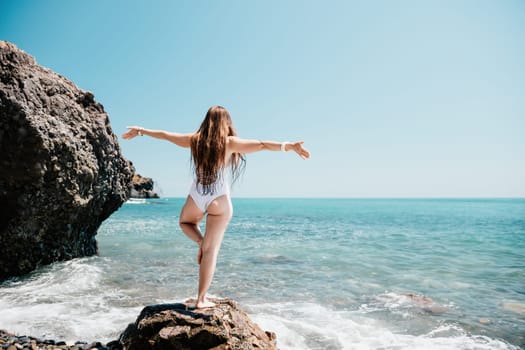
(136, 201)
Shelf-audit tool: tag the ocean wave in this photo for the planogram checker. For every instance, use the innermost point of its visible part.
(67, 301)
(308, 326)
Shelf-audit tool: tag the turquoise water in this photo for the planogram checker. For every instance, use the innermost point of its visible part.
(321, 273)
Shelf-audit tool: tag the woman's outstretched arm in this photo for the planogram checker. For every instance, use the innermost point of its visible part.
(238, 145)
(182, 140)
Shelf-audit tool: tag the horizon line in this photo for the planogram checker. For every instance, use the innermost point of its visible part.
(357, 197)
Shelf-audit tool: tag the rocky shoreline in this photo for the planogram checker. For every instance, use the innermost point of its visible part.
(10, 341)
(170, 326)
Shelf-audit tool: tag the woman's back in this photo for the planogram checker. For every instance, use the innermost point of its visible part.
(209, 148)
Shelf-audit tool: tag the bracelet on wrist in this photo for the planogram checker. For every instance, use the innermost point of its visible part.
(283, 146)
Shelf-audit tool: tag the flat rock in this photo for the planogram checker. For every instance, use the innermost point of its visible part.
(176, 326)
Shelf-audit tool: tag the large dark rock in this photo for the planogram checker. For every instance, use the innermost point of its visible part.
(143, 187)
(174, 326)
(61, 169)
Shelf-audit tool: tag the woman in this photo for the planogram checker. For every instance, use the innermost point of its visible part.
(214, 148)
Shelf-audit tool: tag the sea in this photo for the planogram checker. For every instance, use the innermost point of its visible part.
(320, 273)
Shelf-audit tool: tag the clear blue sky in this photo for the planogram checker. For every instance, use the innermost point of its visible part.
(393, 98)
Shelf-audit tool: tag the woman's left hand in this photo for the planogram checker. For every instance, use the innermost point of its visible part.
(132, 132)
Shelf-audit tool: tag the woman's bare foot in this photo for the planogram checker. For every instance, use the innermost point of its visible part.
(190, 303)
(204, 304)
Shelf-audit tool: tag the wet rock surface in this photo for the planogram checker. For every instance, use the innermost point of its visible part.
(9, 341)
(175, 326)
(61, 169)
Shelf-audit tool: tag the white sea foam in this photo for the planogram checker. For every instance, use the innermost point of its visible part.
(136, 201)
(72, 301)
(68, 302)
(311, 326)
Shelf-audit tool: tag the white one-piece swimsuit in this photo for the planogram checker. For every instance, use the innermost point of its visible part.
(204, 198)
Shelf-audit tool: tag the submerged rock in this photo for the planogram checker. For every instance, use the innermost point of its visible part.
(514, 306)
(143, 187)
(174, 326)
(61, 169)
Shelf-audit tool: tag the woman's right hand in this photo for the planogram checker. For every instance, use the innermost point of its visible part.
(298, 148)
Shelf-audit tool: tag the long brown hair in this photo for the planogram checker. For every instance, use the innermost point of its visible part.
(208, 149)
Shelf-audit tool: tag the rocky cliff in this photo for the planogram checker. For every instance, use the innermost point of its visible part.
(61, 169)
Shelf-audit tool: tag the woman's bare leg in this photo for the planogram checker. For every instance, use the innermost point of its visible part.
(219, 214)
(189, 220)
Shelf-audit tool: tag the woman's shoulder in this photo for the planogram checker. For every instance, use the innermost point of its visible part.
(232, 141)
